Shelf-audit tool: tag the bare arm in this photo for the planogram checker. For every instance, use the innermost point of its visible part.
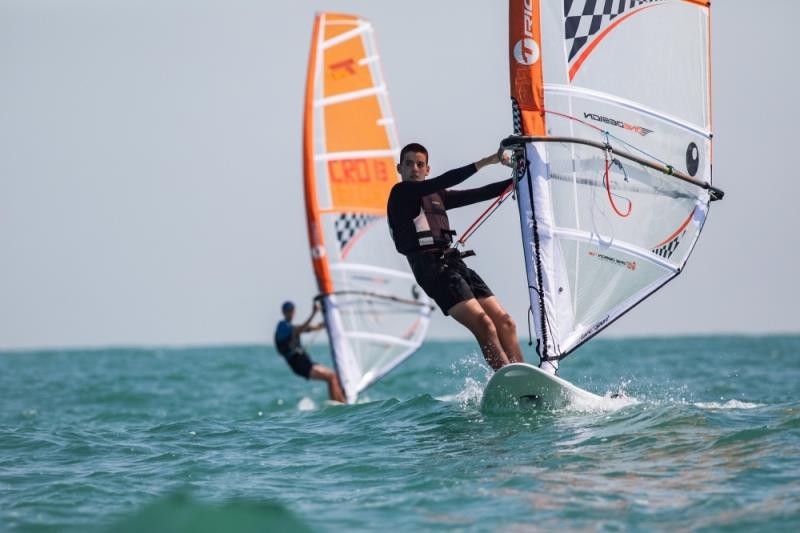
(501, 156)
(486, 161)
(306, 326)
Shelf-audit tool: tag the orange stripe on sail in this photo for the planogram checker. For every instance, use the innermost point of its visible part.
(524, 56)
(589, 49)
(315, 236)
(677, 231)
(355, 238)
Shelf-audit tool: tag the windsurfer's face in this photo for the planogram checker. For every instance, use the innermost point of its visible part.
(413, 167)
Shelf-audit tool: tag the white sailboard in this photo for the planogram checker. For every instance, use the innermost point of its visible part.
(612, 121)
(376, 316)
(523, 385)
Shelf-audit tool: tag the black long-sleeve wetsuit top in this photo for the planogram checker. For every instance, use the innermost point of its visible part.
(405, 197)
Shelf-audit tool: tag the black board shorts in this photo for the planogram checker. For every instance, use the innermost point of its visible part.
(448, 280)
(300, 363)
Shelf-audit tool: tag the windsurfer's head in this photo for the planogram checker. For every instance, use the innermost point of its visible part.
(413, 164)
(287, 309)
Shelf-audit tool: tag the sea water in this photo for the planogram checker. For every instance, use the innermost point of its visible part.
(228, 439)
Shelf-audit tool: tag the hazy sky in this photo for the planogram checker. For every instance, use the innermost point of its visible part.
(151, 178)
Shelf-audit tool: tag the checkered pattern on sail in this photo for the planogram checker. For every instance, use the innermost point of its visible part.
(517, 116)
(348, 225)
(667, 249)
(585, 18)
(519, 153)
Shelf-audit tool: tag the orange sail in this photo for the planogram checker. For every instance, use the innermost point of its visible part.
(375, 314)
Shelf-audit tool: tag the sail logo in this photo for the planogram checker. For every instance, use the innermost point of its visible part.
(594, 329)
(360, 170)
(317, 251)
(360, 182)
(618, 123)
(630, 265)
(344, 68)
(526, 50)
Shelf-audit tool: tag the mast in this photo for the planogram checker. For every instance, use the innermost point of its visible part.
(614, 180)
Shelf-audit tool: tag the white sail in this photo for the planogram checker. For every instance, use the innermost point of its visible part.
(612, 101)
(376, 316)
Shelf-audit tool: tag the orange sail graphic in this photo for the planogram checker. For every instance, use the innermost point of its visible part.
(375, 315)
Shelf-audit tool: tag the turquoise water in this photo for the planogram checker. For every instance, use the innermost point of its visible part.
(227, 439)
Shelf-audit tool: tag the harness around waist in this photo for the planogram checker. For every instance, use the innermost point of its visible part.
(443, 253)
(292, 352)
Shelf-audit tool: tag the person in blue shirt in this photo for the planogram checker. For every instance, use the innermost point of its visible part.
(287, 342)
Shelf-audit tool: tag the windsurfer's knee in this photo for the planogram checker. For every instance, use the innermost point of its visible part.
(506, 324)
(323, 373)
(485, 326)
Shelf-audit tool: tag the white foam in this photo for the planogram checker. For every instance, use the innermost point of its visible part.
(446, 398)
(607, 403)
(471, 394)
(730, 404)
(306, 404)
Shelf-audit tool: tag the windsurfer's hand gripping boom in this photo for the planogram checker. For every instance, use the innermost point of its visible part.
(417, 213)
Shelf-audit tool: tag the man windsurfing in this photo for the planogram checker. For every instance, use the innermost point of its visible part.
(287, 342)
(417, 214)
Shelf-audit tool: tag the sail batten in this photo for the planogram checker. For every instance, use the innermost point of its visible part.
(360, 30)
(607, 242)
(358, 154)
(375, 314)
(625, 103)
(353, 95)
(614, 180)
(381, 339)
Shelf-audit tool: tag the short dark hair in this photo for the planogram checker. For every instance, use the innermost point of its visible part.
(416, 148)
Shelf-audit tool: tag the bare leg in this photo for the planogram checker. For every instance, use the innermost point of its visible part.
(334, 387)
(474, 318)
(506, 328)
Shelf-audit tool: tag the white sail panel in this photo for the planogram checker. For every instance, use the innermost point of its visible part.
(375, 314)
(617, 179)
(601, 241)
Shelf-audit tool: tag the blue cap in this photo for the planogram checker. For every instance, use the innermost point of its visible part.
(287, 306)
